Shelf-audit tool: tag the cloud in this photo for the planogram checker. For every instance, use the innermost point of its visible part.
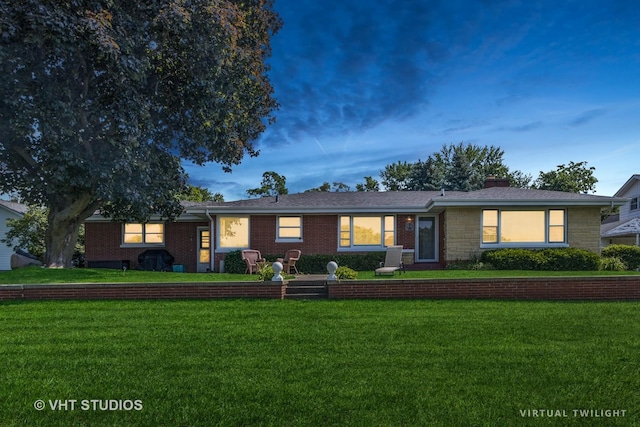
(588, 116)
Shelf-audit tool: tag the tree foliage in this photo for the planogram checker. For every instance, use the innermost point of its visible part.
(336, 187)
(573, 178)
(200, 194)
(459, 167)
(369, 184)
(272, 184)
(101, 101)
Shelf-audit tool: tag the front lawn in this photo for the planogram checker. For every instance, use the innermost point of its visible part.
(36, 275)
(360, 363)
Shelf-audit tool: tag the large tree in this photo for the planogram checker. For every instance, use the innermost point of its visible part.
(102, 99)
(573, 178)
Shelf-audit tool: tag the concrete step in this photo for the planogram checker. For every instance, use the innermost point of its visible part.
(313, 290)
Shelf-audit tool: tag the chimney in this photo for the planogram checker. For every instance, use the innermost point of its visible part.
(492, 181)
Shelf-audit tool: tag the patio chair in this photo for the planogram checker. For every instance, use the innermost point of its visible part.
(252, 258)
(392, 261)
(289, 261)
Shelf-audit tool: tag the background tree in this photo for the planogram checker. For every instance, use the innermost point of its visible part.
(101, 101)
(272, 184)
(573, 178)
(326, 187)
(200, 194)
(369, 184)
(397, 176)
(458, 167)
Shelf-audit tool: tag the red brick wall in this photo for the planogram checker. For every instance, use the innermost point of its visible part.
(103, 240)
(550, 288)
(143, 291)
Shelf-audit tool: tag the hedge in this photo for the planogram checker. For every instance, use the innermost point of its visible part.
(630, 255)
(312, 264)
(553, 259)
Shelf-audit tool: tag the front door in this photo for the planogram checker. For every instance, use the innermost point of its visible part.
(204, 249)
(427, 239)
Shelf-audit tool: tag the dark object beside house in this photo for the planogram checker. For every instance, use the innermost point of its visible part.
(155, 260)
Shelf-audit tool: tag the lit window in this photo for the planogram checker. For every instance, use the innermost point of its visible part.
(234, 232)
(143, 234)
(523, 227)
(289, 228)
(362, 231)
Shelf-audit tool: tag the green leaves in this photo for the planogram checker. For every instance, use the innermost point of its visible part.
(107, 99)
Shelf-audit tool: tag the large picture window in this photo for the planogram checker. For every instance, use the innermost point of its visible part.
(366, 231)
(234, 232)
(530, 227)
(143, 234)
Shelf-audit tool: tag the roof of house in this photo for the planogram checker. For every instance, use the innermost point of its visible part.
(14, 207)
(403, 201)
(625, 187)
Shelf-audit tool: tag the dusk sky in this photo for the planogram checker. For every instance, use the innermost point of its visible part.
(363, 84)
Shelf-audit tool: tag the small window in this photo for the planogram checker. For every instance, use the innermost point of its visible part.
(634, 203)
(143, 234)
(289, 228)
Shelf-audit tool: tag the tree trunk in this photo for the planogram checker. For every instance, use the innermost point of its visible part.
(63, 228)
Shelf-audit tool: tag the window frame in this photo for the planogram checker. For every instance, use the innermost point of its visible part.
(279, 227)
(548, 228)
(634, 202)
(143, 234)
(348, 235)
(219, 247)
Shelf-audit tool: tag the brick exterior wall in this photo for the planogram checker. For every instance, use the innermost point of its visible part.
(461, 233)
(583, 228)
(549, 288)
(103, 242)
(459, 237)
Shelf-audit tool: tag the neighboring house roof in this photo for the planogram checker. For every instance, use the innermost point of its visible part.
(17, 208)
(627, 228)
(627, 185)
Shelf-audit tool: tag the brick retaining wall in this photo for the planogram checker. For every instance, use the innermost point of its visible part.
(543, 288)
(142, 291)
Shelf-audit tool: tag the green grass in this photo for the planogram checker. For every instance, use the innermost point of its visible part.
(37, 275)
(290, 363)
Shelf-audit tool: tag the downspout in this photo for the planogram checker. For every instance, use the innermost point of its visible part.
(211, 242)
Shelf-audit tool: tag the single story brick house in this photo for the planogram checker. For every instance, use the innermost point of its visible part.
(435, 228)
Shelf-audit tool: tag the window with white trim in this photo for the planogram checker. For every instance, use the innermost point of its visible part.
(634, 203)
(366, 231)
(528, 227)
(289, 228)
(143, 234)
(233, 232)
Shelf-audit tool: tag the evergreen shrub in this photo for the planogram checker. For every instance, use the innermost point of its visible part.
(630, 255)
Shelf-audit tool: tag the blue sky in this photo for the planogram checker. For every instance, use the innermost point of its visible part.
(362, 84)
